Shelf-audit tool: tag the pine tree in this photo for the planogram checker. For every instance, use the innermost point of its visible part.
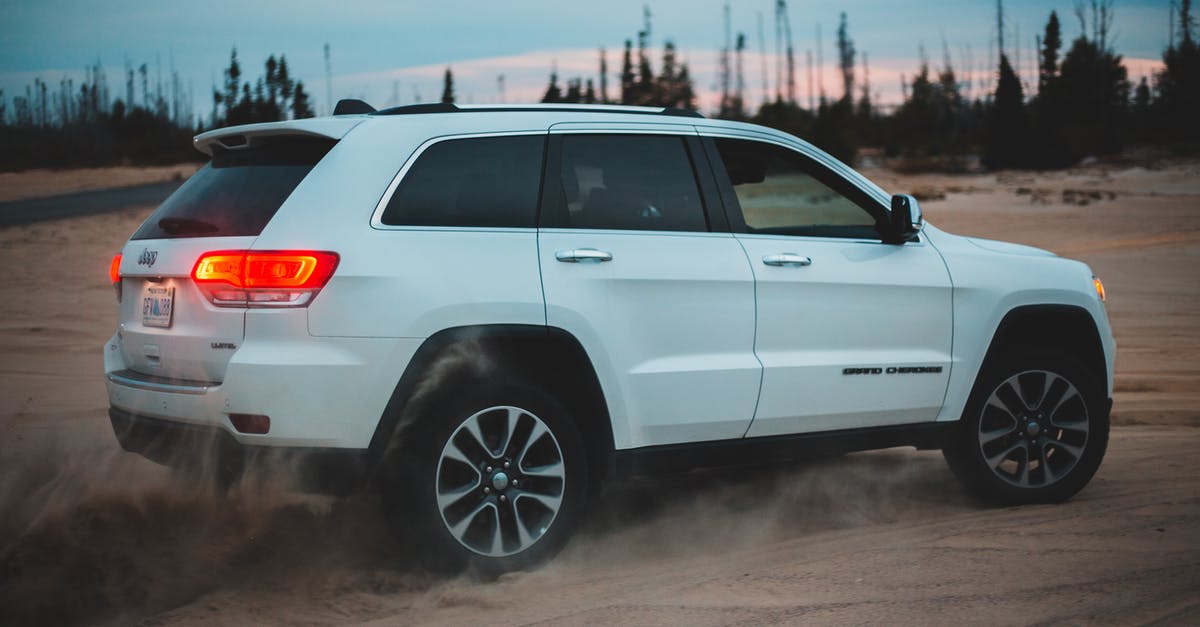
(628, 80)
(846, 59)
(1049, 109)
(1094, 89)
(603, 96)
(1051, 43)
(1179, 87)
(666, 86)
(232, 75)
(300, 105)
(1007, 132)
(574, 91)
(448, 87)
(645, 74)
(553, 93)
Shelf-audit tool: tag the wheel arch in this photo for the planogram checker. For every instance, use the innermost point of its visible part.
(547, 356)
(1069, 328)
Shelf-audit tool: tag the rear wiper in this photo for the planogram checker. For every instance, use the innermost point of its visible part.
(186, 226)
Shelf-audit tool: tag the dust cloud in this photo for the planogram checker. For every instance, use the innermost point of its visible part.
(96, 534)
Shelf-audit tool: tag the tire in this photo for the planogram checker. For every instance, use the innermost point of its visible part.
(1035, 429)
(493, 480)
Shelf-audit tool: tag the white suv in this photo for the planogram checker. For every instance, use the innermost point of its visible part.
(490, 311)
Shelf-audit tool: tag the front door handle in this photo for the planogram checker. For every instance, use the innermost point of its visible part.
(577, 255)
(791, 260)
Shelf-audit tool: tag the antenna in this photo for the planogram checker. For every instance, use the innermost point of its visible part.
(328, 82)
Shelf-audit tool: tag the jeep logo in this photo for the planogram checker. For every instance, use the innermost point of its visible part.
(148, 257)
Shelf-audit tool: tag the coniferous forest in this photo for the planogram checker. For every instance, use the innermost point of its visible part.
(1083, 103)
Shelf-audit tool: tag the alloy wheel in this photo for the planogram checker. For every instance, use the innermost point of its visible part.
(500, 481)
(1033, 429)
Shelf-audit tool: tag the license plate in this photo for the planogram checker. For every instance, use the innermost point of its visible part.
(158, 303)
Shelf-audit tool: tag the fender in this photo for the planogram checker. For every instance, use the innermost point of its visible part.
(535, 351)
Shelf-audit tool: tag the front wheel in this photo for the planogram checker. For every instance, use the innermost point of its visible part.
(1034, 431)
(495, 478)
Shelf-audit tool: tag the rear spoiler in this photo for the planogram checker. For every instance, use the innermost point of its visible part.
(246, 135)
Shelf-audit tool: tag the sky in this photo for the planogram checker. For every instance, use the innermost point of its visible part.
(395, 52)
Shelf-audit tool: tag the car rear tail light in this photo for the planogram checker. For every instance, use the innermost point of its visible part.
(114, 274)
(266, 278)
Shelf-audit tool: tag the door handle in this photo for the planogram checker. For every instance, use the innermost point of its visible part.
(577, 255)
(791, 260)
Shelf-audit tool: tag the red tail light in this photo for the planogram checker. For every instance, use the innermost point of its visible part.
(114, 274)
(114, 269)
(268, 278)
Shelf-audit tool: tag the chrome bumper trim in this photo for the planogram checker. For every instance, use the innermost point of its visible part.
(138, 381)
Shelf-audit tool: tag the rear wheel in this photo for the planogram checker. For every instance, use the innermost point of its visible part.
(1034, 431)
(495, 479)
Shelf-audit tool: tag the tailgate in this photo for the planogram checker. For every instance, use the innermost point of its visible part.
(167, 327)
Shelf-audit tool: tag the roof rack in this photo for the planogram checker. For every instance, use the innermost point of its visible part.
(449, 107)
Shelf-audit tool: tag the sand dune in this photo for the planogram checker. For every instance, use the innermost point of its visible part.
(90, 534)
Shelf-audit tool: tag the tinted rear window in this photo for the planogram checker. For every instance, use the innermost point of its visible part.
(484, 182)
(237, 192)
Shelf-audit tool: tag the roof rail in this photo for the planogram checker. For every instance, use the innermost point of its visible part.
(449, 107)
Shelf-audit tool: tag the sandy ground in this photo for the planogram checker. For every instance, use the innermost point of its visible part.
(90, 534)
(38, 183)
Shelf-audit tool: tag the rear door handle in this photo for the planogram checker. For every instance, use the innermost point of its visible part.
(577, 255)
(791, 260)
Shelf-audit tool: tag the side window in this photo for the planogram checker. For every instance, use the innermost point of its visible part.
(635, 182)
(779, 193)
(485, 181)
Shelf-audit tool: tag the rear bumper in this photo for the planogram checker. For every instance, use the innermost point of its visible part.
(317, 392)
(178, 444)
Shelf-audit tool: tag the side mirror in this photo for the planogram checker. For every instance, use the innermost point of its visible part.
(906, 218)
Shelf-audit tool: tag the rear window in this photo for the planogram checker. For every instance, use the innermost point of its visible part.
(237, 192)
(484, 182)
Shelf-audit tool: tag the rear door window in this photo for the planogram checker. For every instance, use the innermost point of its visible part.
(480, 182)
(627, 182)
(237, 193)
